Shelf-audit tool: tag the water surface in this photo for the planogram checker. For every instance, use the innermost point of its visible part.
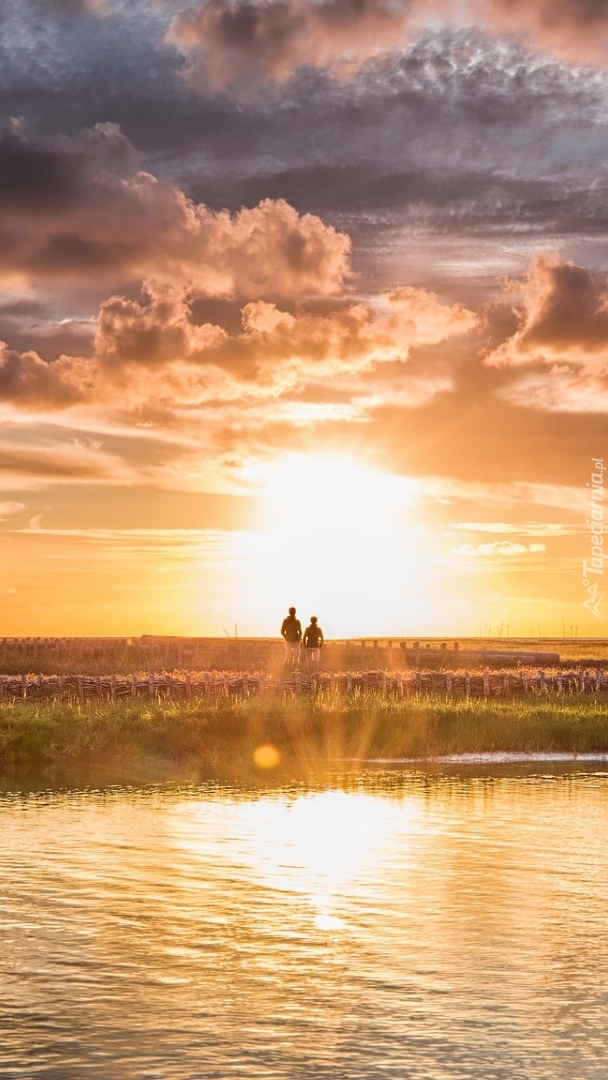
(403, 924)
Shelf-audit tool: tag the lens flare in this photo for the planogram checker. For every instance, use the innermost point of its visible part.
(266, 756)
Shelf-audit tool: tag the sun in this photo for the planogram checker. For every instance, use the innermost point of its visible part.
(338, 538)
(339, 493)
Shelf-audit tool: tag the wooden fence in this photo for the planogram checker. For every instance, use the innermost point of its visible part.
(400, 684)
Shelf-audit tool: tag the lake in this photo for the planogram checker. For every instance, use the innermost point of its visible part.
(441, 924)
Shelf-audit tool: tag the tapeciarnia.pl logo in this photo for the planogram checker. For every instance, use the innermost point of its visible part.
(593, 570)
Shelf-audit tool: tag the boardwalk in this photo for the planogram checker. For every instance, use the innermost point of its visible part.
(186, 685)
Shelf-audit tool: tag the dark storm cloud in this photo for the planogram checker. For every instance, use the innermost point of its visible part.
(37, 178)
(70, 7)
(23, 309)
(392, 147)
(466, 201)
(457, 135)
(451, 98)
(65, 68)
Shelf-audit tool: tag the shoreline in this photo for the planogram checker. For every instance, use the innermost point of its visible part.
(493, 758)
(308, 736)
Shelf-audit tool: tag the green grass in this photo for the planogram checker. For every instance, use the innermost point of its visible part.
(219, 737)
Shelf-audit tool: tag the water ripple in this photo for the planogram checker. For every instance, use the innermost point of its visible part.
(403, 925)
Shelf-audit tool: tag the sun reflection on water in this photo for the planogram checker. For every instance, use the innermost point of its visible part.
(316, 846)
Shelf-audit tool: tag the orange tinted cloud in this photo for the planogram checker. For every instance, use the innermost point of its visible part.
(152, 351)
(82, 209)
(564, 315)
(241, 42)
(562, 341)
(504, 548)
(575, 29)
(27, 381)
(70, 464)
(269, 39)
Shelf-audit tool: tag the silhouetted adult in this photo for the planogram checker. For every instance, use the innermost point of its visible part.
(313, 642)
(291, 632)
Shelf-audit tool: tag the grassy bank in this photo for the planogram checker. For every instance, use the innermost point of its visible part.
(220, 737)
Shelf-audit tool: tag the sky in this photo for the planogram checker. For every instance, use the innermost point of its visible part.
(303, 302)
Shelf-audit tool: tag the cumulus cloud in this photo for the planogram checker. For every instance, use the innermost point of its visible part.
(561, 344)
(81, 208)
(276, 352)
(152, 351)
(499, 548)
(564, 315)
(27, 381)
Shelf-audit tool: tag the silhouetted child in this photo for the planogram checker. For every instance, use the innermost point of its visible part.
(313, 642)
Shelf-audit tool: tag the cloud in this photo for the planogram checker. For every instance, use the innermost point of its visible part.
(564, 315)
(27, 381)
(499, 548)
(521, 528)
(10, 509)
(401, 393)
(251, 40)
(560, 391)
(241, 43)
(508, 493)
(477, 135)
(77, 7)
(58, 8)
(275, 353)
(60, 465)
(574, 29)
(561, 344)
(81, 208)
(151, 351)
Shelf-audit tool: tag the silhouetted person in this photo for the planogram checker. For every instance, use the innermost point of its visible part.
(291, 632)
(313, 642)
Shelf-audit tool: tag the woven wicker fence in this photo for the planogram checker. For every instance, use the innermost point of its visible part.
(199, 684)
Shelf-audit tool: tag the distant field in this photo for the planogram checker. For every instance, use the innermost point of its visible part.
(122, 656)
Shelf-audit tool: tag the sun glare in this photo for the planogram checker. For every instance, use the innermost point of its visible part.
(336, 492)
(336, 538)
